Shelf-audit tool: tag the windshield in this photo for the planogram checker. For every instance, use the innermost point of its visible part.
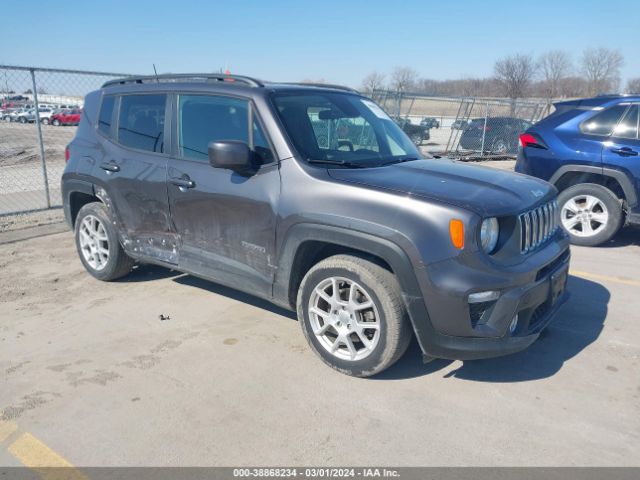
(342, 129)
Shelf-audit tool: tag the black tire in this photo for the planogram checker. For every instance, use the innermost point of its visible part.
(23, 120)
(56, 122)
(382, 287)
(416, 138)
(500, 146)
(45, 121)
(119, 263)
(610, 202)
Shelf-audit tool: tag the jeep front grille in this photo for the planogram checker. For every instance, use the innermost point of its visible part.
(537, 225)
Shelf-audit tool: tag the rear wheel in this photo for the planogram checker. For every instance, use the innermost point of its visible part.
(352, 314)
(45, 121)
(590, 213)
(499, 146)
(416, 138)
(98, 245)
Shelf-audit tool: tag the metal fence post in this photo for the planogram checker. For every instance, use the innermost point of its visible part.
(484, 129)
(39, 130)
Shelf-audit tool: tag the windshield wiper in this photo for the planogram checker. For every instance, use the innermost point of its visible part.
(343, 163)
(401, 160)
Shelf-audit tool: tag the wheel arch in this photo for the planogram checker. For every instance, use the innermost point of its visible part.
(76, 194)
(615, 180)
(307, 244)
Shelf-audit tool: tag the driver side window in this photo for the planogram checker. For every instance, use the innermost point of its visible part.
(206, 118)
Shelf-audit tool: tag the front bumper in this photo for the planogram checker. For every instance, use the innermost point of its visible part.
(533, 296)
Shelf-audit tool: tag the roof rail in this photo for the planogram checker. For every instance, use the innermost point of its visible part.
(216, 77)
(322, 85)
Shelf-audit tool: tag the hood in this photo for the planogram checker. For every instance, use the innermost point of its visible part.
(486, 191)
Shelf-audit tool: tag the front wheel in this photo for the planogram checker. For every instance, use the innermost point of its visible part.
(352, 314)
(590, 213)
(98, 245)
(56, 122)
(45, 121)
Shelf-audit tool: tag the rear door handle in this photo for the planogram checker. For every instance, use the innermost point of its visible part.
(110, 167)
(183, 182)
(625, 151)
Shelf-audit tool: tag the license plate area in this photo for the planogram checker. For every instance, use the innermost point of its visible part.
(558, 285)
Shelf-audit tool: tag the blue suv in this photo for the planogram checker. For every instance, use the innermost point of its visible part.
(589, 149)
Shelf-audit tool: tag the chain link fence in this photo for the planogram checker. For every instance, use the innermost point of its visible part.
(40, 109)
(467, 128)
(39, 113)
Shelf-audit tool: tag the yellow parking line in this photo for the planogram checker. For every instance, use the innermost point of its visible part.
(37, 456)
(6, 429)
(605, 278)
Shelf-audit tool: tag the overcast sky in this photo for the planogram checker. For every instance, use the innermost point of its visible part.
(339, 41)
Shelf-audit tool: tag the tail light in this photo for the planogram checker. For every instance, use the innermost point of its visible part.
(532, 140)
(67, 154)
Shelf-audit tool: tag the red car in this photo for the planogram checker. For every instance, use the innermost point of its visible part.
(67, 117)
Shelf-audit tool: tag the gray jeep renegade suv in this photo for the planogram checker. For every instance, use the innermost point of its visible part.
(310, 196)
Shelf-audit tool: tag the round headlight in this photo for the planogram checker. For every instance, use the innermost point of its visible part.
(489, 234)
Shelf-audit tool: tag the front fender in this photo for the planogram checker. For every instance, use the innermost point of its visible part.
(371, 242)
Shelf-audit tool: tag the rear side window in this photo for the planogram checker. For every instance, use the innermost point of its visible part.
(628, 126)
(603, 122)
(106, 114)
(141, 122)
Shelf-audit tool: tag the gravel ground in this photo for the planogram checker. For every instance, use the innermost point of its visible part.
(166, 369)
(21, 177)
(30, 220)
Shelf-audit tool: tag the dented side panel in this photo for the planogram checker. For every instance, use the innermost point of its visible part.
(137, 197)
(226, 223)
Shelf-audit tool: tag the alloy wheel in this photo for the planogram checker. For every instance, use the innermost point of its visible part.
(584, 215)
(500, 146)
(344, 318)
(94, 243)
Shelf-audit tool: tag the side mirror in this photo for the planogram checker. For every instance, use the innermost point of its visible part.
(231, 154)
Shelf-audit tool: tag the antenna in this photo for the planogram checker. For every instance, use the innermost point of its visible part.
(156, 72)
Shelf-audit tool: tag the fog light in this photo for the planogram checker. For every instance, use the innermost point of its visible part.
(487, 296)
(514, 324)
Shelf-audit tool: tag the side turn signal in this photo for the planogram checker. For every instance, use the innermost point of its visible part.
(456, 230)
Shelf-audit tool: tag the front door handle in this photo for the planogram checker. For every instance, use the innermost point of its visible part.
(625, 152)
(183, 182)
(110, 167)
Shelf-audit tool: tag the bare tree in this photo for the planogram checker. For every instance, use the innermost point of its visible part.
(633, 85)
(553, 67)
(430, 86)
(601, 68)
(573, 86)
(373, 81)
(403, 78)
(515, 73)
